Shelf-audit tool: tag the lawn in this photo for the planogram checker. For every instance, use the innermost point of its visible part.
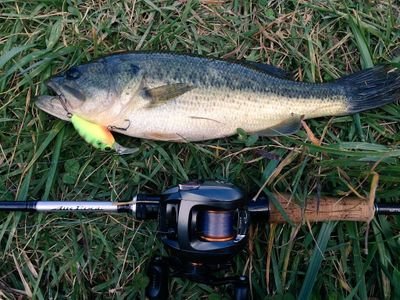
(77, 256)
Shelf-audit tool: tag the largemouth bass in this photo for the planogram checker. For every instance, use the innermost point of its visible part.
(176, 97)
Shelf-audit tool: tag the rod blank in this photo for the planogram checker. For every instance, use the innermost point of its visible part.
(387, 209)
(59, 206)
(141, 207)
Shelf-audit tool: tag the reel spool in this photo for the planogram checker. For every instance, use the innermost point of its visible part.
(217, 225)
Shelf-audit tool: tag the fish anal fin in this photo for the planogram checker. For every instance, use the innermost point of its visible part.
(162, 94)
(286, 127)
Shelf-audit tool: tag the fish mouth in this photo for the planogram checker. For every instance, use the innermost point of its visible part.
(54, 105)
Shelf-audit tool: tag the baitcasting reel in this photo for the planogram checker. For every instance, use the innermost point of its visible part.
(202, 226)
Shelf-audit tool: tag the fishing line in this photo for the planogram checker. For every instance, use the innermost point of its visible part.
(216, 226)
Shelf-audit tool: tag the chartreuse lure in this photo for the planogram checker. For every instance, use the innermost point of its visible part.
(98, 136)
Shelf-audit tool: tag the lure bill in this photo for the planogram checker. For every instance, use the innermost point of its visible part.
(176, 97)
(98, 136)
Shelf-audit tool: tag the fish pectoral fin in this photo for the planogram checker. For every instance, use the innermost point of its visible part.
(271, 70)
(285, 127)
(162, 94)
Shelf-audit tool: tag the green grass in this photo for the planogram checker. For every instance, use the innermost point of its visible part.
(84, 257)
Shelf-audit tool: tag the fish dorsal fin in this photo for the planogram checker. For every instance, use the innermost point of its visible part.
(163, 93)
(288, 126)
(270, 70)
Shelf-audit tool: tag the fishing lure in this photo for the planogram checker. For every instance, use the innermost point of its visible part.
(98, 136)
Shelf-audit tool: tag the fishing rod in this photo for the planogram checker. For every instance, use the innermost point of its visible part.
(203, 225)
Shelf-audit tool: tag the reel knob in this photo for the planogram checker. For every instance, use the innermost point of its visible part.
(157, 289)
(241, 291)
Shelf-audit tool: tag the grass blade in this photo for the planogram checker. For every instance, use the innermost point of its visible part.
(366, 63)
(316, 260)
(50, 137)
(53, 164)
(362, 43)
(5, 57)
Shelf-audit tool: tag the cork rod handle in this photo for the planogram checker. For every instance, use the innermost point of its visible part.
(328, 209)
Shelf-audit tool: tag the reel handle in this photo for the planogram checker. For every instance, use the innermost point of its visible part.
(326, 209)
(158, 274)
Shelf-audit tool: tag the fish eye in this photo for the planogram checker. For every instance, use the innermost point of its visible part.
(107, 148)
(73, 73)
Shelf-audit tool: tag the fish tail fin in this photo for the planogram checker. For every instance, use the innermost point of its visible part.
(371, 88)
